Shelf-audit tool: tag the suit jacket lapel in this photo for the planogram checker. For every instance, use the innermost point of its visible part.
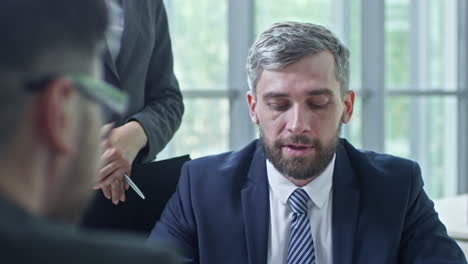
(345, 207)
(256, 209)
(109, 63)
(132, 24)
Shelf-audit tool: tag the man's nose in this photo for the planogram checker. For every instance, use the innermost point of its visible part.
(298, 122)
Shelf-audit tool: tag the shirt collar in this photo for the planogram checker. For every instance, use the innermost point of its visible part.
(318, 189)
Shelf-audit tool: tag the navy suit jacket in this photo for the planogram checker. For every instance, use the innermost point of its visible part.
(381, 214)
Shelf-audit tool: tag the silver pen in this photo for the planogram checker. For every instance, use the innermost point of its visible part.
(134, 187)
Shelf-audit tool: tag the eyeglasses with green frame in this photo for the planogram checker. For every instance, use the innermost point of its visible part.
(113, 101)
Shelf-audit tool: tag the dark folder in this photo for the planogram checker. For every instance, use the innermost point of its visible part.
(157, 180)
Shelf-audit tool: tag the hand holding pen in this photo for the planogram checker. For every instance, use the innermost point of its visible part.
(121, 148)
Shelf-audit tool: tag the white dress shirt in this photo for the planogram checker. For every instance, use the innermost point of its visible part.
(115, 31)
(319, 210)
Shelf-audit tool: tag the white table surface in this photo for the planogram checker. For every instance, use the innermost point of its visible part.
(453, 212)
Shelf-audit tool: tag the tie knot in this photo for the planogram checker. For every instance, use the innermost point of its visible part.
(298, 201)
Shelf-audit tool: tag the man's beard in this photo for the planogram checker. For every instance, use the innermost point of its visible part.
(300, 168)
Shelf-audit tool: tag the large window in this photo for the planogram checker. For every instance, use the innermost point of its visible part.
(405, 67)
(421, 109)
(199, 39)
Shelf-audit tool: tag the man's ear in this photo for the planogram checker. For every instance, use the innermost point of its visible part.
(348, 107)
(54, 109)
(251, 101)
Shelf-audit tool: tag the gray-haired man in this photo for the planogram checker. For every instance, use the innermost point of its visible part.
(50, 111)
(301, 194)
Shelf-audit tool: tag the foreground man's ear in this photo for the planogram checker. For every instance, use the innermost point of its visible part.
(55, 111)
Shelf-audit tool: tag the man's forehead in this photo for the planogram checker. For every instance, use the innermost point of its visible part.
(276, 87)
(313, 72)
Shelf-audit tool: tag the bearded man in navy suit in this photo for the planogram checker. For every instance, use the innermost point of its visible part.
(301, 194)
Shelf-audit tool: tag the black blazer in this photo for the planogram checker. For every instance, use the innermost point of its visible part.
(25, 239)
(144, 69)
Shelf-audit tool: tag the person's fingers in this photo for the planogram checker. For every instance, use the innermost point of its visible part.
(112, 160)
(117, 174)
(106, 191)
(126, 186)
(106, 129)
(116, 189)
(102, 181)
(122, 192)
(108, 170)
(105, 145)
(113, 155)
(109, 155)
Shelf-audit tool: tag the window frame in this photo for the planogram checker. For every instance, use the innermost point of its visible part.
(373, 92)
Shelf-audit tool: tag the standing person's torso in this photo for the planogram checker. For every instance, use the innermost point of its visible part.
(126, 66)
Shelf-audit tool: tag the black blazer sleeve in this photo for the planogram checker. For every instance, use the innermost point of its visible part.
(162, 113)
(424, 238)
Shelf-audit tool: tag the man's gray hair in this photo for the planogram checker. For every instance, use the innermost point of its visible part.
(287, 42)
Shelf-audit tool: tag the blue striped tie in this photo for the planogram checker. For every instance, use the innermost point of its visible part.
(301, 246)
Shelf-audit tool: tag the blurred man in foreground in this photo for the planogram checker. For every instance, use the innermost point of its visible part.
(51, 113)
